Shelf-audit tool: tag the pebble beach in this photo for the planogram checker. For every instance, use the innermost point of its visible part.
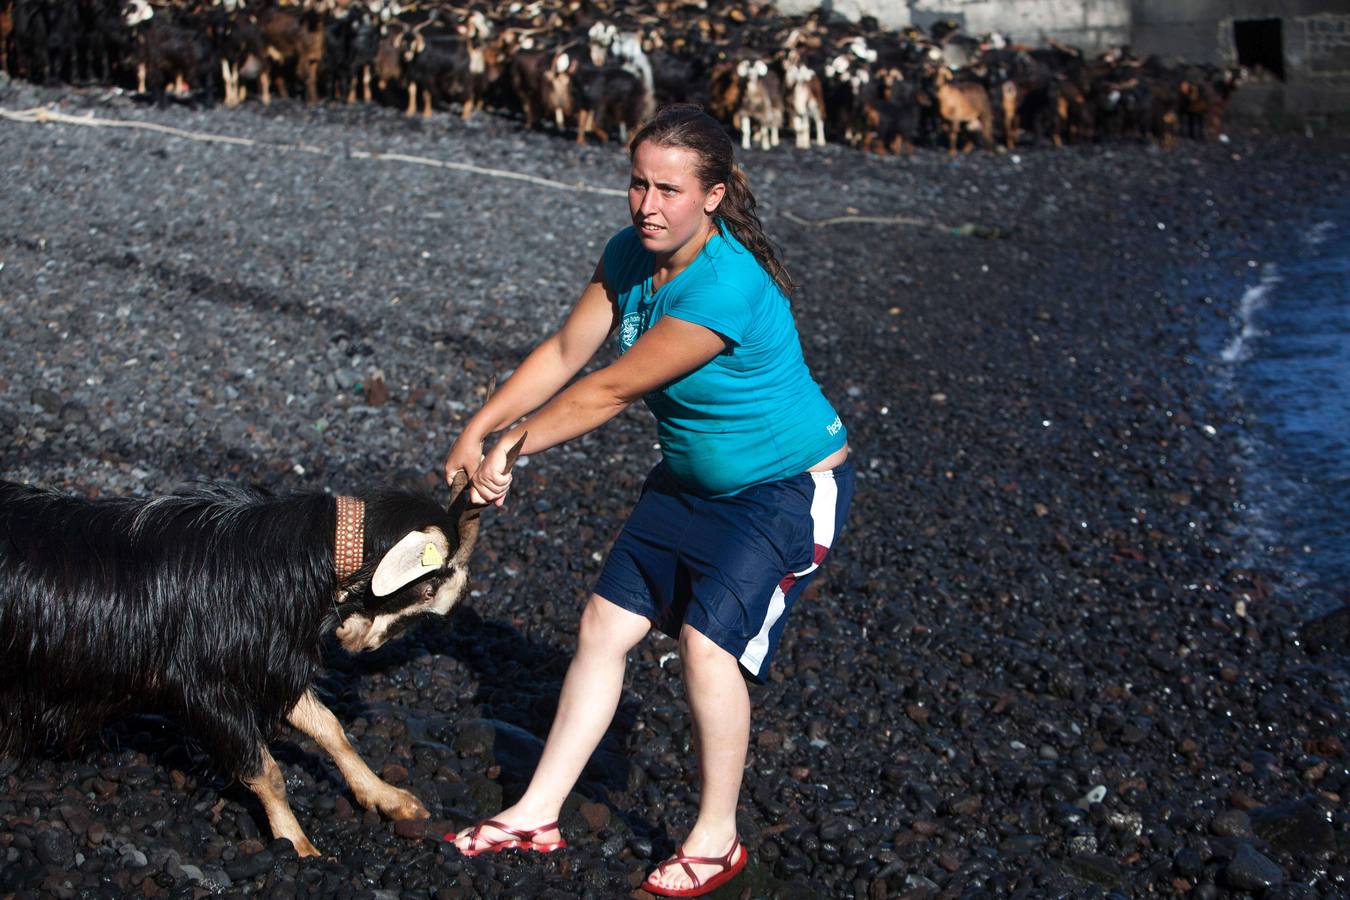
(1040, 662)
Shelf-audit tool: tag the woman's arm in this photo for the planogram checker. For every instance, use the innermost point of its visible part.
(671, 348)
(548, 367)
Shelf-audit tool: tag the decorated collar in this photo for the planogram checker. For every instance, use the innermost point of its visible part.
(347, 546)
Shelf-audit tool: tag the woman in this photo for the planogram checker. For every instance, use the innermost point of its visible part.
(752, 489)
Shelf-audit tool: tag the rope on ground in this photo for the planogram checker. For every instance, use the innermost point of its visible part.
(42, 115)
(966, 229)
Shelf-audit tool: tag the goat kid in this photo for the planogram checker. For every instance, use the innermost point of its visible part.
(760, 113)
(807, 98)
(211, 607)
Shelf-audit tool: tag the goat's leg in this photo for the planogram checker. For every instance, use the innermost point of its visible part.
(315, 720)
(412, 100)
(225, 77)
(269, 786)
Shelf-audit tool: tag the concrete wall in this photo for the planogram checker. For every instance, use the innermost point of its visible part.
(1316, 37)
(1090, 24)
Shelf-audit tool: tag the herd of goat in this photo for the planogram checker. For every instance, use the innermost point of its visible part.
(598, 68)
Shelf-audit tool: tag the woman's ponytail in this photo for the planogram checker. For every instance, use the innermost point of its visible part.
(737, 212)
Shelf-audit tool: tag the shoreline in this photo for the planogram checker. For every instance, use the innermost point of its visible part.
(1023, 670)
(1259, 347)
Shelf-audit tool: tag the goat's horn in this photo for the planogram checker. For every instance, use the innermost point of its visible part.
(469, 513)
(459, 499)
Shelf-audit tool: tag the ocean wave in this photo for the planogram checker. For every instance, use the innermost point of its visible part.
(1253, 301)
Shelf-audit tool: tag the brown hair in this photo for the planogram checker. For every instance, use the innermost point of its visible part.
(687, 126)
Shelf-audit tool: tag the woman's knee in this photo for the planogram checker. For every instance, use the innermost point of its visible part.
(607, 627)
(700, 651)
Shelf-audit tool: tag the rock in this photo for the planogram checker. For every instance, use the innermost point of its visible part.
(1187, 863)
(54, 847)
(77, 819)
(1233, 823)
(595, 814)
(250, 867)
(377, 392)
(1096, 795)
(1329, 633)
(769, 741)
(1022, 843)
(1250, 871)
(412, 829)
(1295, 827)
(47, 399)
(1096, 869)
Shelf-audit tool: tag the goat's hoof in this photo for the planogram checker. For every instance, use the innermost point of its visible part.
(305, 848)
(401, 805)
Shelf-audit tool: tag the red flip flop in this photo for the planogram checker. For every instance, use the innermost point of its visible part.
(731, 865)
(520, 839)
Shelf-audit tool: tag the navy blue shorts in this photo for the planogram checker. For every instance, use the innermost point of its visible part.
(729, 567)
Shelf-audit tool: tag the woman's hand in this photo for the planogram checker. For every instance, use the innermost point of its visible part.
(465, 456)
(492, 478)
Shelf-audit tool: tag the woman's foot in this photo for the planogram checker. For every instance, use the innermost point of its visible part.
(719, 859)
(512, 828)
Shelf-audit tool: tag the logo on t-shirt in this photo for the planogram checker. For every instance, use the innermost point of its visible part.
(833, 427)
(630, 329)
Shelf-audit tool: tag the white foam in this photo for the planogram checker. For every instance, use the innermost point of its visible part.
(1319, 233)
(1253, 300)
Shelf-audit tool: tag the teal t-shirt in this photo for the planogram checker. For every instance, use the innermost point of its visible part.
(752, 413)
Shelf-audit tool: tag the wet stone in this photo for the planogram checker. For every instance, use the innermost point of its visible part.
(1297, 827)
(1233, 823)
(54, 847)
(1096, 869)
(1248, 870)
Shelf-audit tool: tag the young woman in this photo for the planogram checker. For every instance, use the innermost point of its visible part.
(752, 489)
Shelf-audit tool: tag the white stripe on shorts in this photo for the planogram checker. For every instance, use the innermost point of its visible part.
(823, 502)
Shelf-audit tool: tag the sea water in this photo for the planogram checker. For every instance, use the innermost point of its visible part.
(1287, 357)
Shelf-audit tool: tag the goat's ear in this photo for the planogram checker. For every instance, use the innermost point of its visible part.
(418, 553)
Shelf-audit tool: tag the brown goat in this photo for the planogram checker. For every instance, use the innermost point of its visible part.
(963, 104)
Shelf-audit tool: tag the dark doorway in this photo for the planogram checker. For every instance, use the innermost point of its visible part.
(1260, 45)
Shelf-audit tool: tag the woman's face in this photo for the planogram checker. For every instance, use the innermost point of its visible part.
(669, 207)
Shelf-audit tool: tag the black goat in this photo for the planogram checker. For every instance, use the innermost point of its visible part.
(211, 607)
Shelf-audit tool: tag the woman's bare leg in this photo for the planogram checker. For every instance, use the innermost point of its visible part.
(720, 706)
(590, 695)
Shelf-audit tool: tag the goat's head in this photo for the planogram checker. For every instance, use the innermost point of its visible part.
(136, 12)
(422, 570)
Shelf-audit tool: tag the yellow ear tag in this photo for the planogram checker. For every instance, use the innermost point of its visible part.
(431, 557)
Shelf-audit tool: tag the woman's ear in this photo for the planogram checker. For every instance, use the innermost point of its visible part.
(714, 198)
